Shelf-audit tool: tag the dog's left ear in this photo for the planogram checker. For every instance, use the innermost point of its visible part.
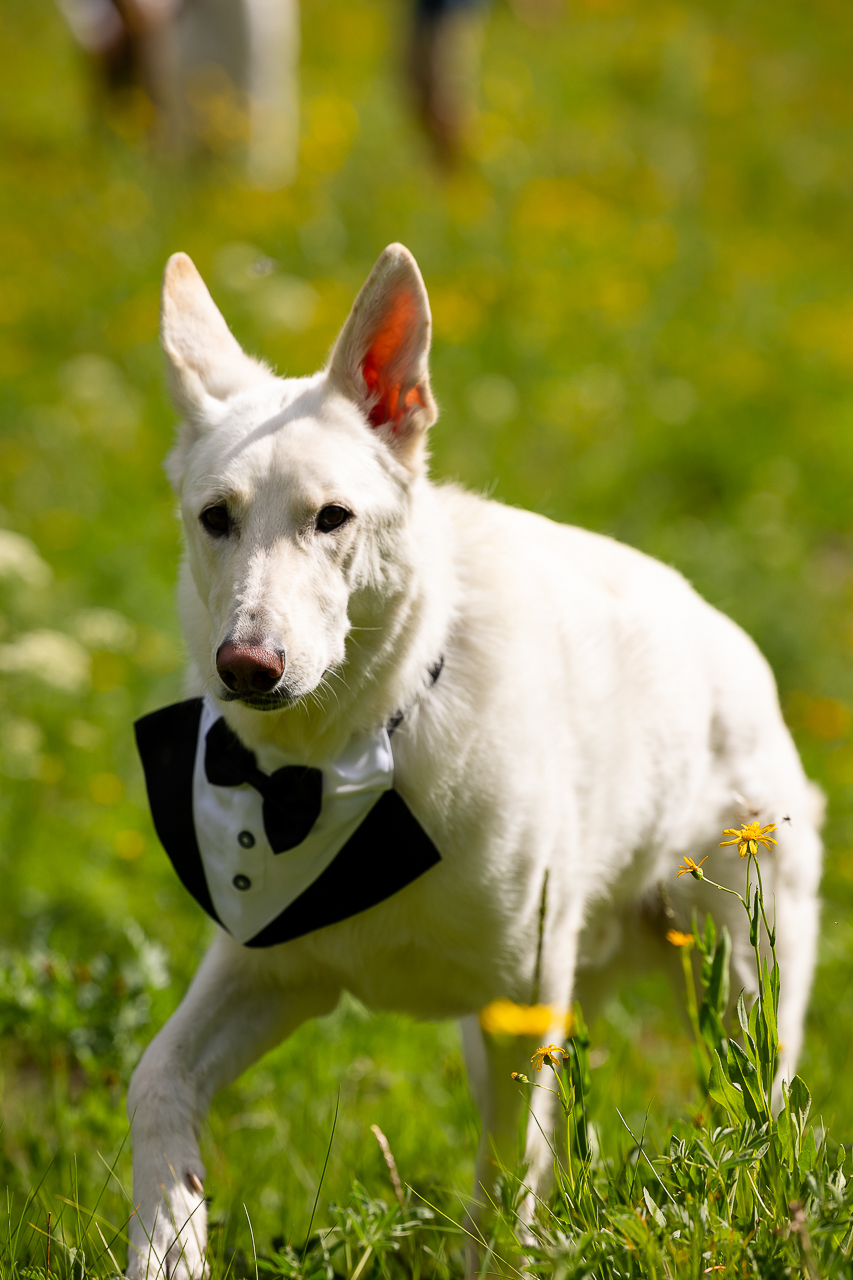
(380, 357)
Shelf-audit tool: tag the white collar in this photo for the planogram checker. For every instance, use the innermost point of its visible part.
(251, 886)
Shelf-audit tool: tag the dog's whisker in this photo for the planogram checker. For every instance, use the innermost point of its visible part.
(327, 688)
(336, 675)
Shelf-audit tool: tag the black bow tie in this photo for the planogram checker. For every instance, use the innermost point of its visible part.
(292, 796)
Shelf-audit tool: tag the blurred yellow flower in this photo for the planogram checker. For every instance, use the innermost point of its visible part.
(505, 1018)
(679, 939)
(457, 313)
(129, 844)
(750, 836)
(693, 868)
(106, 788)
(547, 1054)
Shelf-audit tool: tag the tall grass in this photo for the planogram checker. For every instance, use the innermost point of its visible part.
(735, 1190)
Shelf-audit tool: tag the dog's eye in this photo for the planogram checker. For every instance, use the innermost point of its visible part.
(216, 520)
(332, 518)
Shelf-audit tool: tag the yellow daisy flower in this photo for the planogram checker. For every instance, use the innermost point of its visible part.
(679, 939)
(749, 838)
(547, 1054)
(692, 868)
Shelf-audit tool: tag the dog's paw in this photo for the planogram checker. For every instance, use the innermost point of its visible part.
(175, 1258)
(176, 1266)
(174, 1247)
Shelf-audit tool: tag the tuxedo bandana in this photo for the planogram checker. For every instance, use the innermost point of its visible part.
(273, 856)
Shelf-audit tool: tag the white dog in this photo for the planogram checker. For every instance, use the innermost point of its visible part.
(559, 704)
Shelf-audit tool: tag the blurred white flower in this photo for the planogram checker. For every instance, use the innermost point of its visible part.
(493, 398)
(152, 957)
(20, 744)
(598, 389)
(280, 301)
(50, 656)
(20, 559)
(104, 629)
(102, 398)
(239, 266)
(82, 734)
(286, 302)
(674, 400)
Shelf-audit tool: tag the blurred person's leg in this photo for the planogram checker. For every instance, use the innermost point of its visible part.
(273, 91)
(442, 60)
(240, 72)
(222, 75)
(98, 28)
(152, 36)
(131, 43)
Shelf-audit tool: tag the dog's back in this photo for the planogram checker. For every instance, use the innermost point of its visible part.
(615, 721)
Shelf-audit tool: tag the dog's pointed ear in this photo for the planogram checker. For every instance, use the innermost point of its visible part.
(380, 357)
(205, 361)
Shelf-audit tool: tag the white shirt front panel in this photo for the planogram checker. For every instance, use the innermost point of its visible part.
(352, 784)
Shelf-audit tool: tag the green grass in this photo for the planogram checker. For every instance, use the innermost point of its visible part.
(646, 271)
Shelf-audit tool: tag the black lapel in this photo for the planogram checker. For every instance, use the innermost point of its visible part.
(388, 851)
(167, 741)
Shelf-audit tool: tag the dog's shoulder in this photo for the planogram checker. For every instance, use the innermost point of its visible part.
(491, 531)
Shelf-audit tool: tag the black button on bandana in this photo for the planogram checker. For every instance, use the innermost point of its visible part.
(246, 839)
(242, 883)
(293, 796)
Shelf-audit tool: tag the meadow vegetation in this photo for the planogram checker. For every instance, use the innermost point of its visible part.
(642, 283)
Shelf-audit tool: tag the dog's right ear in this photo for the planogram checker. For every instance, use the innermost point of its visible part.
(205, 362)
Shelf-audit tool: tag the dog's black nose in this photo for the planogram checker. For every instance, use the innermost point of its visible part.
(249, 668)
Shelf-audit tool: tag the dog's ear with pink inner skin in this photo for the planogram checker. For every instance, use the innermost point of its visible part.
(380, 357)
(205, 361)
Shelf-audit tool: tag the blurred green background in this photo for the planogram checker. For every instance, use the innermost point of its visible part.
(642, 284)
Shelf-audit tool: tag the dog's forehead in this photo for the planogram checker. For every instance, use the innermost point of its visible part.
(259, 412)
(297, 437)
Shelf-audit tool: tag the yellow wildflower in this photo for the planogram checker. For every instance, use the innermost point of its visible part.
(679, 939)
(519, 1075)
(749, 838)
(547, 1054)
(505, 1018)
(693, 868)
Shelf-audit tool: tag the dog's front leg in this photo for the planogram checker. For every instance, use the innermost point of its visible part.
(491, 1061)
(237, 1008)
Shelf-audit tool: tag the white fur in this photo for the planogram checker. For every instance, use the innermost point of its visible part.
(594, 718)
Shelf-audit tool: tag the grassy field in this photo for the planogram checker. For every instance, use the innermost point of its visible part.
(642, 284)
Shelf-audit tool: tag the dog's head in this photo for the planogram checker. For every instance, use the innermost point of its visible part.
(295, 491)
